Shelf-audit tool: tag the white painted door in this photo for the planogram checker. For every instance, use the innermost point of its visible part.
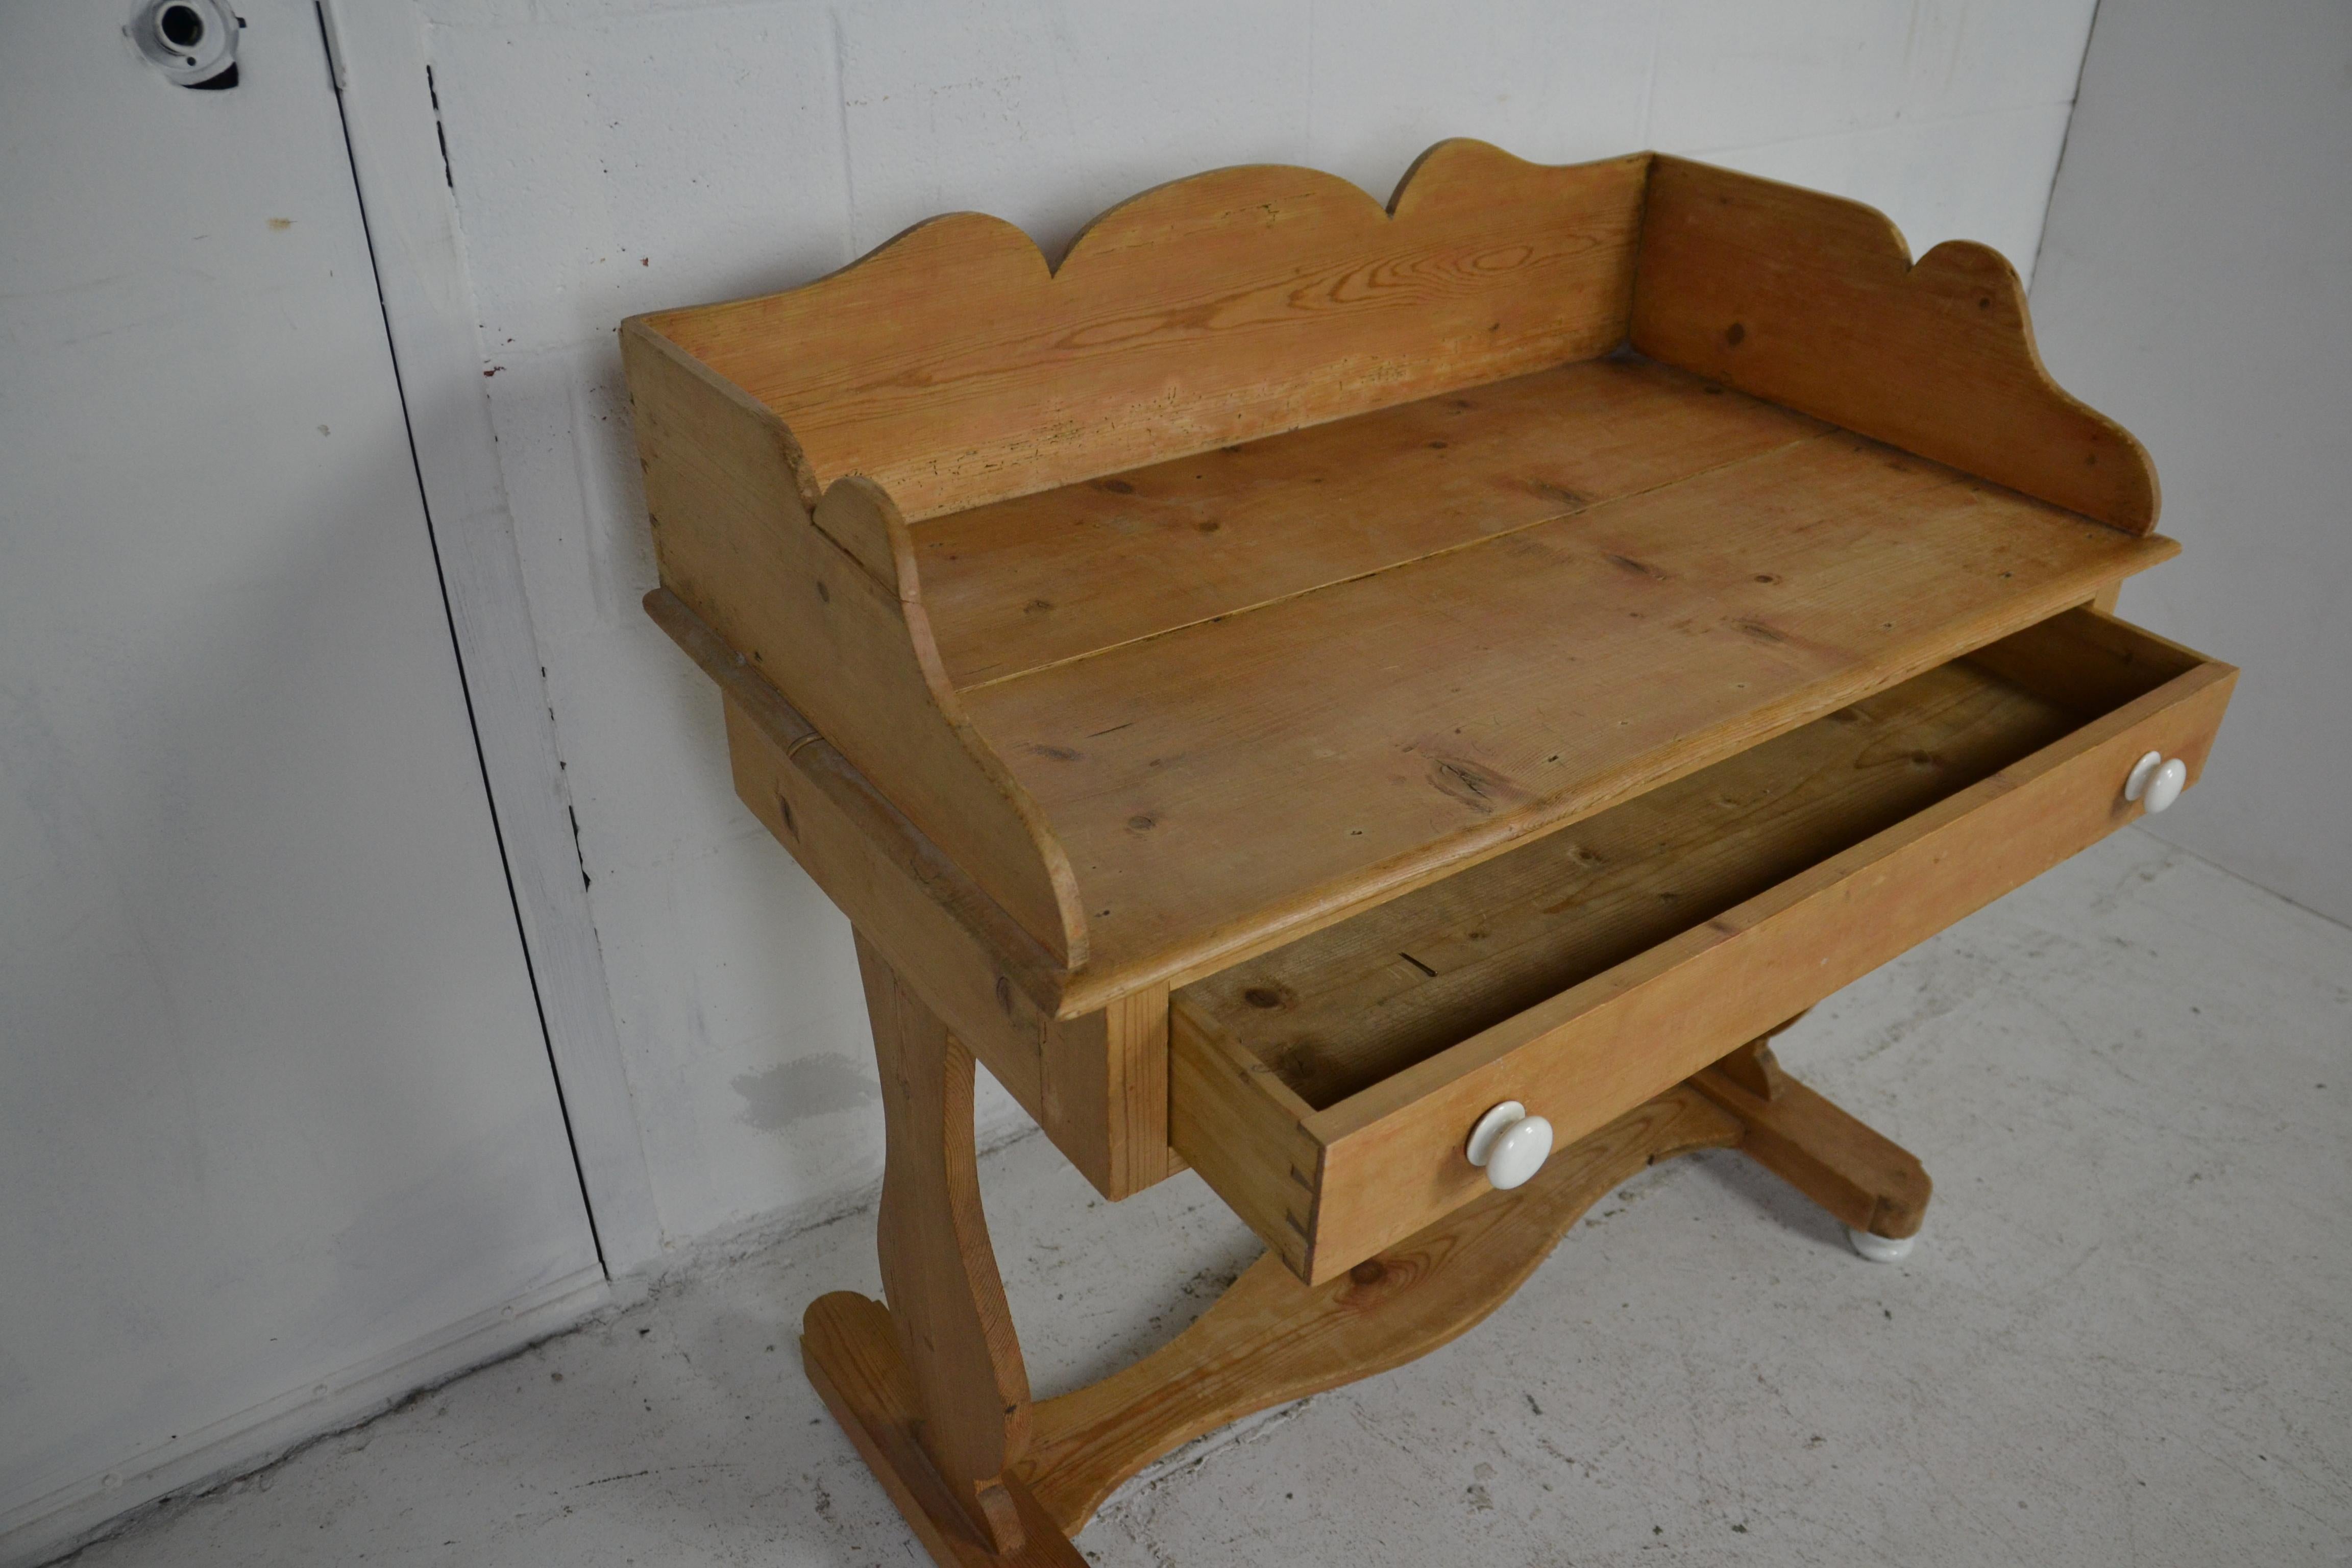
(278, 1128)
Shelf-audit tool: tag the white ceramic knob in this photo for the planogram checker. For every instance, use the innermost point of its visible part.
(1881, 1248)
(2156, 782)
(1510, 1144)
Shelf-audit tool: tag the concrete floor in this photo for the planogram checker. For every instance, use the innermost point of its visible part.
(2122, 1340)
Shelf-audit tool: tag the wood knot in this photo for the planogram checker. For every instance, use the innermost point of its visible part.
(1544, 489)
(1735, 334)
(1371, 1271)
(1473, 786)
(1264, 996)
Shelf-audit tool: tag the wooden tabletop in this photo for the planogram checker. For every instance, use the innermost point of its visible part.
(1256, 689)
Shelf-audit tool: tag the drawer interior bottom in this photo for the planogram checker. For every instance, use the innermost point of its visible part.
(1356, 1002)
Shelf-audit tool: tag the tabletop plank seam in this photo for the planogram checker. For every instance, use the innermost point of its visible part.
(1592, 509)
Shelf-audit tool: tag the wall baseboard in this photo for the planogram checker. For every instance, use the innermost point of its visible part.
(34, 1529)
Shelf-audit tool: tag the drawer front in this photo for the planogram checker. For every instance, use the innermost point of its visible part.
(1328, 1188)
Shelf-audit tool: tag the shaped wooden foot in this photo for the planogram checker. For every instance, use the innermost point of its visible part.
(850, 1349)
(1874, 1185)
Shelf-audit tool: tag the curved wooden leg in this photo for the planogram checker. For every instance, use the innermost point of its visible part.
(1270, 1338)
(934, 1391)
(850, 1347)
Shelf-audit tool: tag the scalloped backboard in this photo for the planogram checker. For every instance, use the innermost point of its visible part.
(955, 367)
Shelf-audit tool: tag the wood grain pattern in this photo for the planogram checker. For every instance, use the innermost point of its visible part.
(1107, 1080)
(1268, 1339)
(1781, 912)
(1356, 1002)
(955, 1329)
(1754, 1068)
(955, 366)
(1063, 572)
(1148, 664)
(1342, 702)
(2087, 660)
(1439, 712)
(1813, 301)
(1391, 1154)
(849, 1349)
(919, 911)
(967, 959)
(793, 581)
(1233, 1119)
(1861, 1176)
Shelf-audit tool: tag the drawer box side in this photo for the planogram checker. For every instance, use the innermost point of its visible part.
(1231, 1116)
(2087, 660)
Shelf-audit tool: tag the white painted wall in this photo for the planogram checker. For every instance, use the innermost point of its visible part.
(616, 157)
(2196, 281)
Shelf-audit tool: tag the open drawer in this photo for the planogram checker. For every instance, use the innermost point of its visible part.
(1326, 1088)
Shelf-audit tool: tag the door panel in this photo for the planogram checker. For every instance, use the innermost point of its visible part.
(274, 1098)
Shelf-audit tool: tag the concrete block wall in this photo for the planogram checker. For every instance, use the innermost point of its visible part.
(610, 158)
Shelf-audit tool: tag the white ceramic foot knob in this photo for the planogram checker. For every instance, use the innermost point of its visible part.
(1510, 1144)
(2157, 782)
(1881, 1248)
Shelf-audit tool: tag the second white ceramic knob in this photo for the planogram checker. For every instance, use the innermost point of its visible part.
(2156, 781)
(1510, 1144)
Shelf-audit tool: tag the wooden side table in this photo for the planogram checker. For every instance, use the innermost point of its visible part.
(1393, 709)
